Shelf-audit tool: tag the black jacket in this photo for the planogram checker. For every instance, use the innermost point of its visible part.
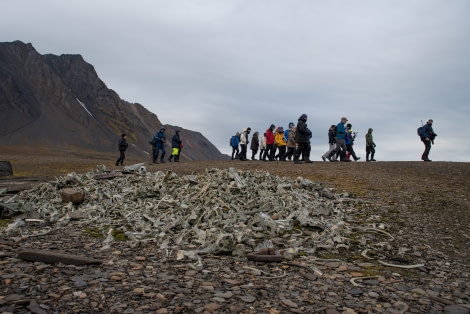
(331, 136)
(303, 134)
(122, 145)
(175, 141)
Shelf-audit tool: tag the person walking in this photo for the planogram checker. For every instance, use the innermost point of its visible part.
(370, 145)
(280, 143)
(122, 149)
(349, 141)
(291, 145)
(254, 145)
(340, 149)
(269, 143)
(262, 146)
(332, 144)
(244, 140)
(427, 137)
(175, 146)
(235, 142)
(302, 138)
(159, 140)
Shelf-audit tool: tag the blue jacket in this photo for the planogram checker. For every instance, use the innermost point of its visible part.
(348, 138)
(286, 132)
(340, 131)
(427, 131)
(235, 141)
(160, 137)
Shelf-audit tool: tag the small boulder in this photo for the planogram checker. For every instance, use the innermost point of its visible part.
(5, 168)
(70, 195)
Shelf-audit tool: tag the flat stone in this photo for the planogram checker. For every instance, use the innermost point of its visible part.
(248, 298)
(212, 307)
(78, 215)
(456, 309)
(35, 308)
(356, 292)
(289, 303)
(401, 306)
(14, 297)
(225, 295)
(373, 294)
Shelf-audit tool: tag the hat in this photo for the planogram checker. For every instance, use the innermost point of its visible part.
(303, 116)
(344, 118)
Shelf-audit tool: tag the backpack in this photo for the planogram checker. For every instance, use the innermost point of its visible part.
(420, 130)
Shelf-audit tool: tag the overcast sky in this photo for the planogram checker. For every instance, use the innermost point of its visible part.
(220, 66)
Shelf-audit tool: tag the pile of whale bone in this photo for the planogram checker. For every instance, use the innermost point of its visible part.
(224, 211)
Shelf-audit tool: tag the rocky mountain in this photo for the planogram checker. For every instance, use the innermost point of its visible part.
(59, 104)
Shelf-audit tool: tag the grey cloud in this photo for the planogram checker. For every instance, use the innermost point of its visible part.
(220, 66)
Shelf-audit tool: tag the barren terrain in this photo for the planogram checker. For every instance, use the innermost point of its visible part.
(422, 198)
(422, 204)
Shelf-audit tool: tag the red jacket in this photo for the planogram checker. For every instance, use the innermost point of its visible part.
(269, 137)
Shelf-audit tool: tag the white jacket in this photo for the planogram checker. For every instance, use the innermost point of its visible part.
(243, 137)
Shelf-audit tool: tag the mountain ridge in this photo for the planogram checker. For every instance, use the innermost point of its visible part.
(60, 103)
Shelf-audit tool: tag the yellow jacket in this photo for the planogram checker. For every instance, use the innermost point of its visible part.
(279, 139)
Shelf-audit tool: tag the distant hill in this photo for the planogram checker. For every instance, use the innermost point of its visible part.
(59, 104)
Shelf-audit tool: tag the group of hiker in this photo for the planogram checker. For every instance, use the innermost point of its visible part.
(158, 146)
(293, 143)
(279, 144)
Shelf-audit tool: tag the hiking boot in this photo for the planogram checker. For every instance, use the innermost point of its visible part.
(309, 162)
(427, 160)
(297, 162)
(324, 159)
(373, 159)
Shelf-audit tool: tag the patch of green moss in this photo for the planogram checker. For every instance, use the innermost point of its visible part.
(373, 271)
(119, 235)
(357, 257)
(95, 233)
(5, 222)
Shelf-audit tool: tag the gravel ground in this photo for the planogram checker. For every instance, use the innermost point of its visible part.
(425, 207)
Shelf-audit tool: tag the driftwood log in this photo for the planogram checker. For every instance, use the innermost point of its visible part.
(53, 257)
